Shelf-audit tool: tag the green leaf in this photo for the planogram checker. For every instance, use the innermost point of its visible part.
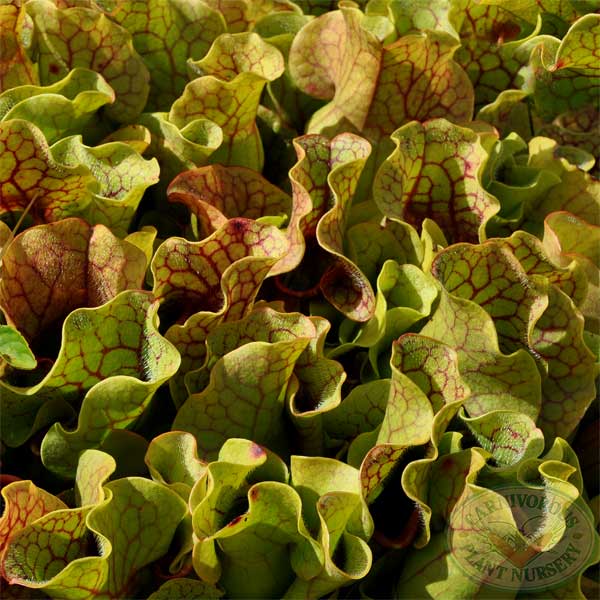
(138, 522)
(324, 182)
(410, 429)
(561, 83)
(578, 48)
(172, 460)
(433, 366)
(448, 155)
(315, 387)
(270, 540)
(405, 296)
(528, 312)
(165, 34)
(93, 469)
(361, 411)
(530, 9)
(544, 259)
(137, 136)
(509, 437)
(433, 572)
(180, 148)
(122, 176)
(185, 589)
(128, 449)
(508, 113)
(248, 518)
(318, 391)
(286, 350)
(134, 526)
(360, 77)
(50, 270)
(55, 535)
(15, 350)
(16, 68)
(415, 16)
(227, 91)
(216, 193)
(233, 54)
(568, 238)
(24, 503)
(242, 15)
(84, 37)
(576, 129)
(497, 381)
(6, 237)
(577, 192)
(490, 37)
(333, 506)
(502, 534)
(218, 278)
(568, 387)
(408, 414)
(432, 241)
(398, 298)
(116, 339)
(517, 186)
(144, 239)
(103, 184)
(291, 106)
(28, 170)
(58, 109)
(491, 276)
(371, 244)
(482, 539)
(450, 473)
(343, 284)
(132, 360)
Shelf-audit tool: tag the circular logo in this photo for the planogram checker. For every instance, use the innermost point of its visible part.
(519, 538)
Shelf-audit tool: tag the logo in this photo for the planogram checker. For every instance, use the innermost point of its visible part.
(518, 538)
